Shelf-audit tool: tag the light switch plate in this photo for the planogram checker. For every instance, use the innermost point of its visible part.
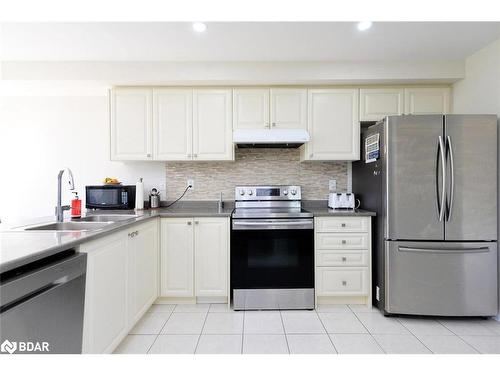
(332, 185)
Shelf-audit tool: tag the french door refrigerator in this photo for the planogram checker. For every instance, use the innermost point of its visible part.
(432, 180)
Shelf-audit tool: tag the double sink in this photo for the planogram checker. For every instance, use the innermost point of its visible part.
(85, 224)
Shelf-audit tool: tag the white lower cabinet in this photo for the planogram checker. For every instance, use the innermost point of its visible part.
(194, 257)
(342, 259)
(121, 284)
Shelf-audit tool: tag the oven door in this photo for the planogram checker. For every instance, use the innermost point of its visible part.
(272, 254)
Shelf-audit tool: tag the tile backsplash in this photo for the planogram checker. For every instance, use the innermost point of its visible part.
(254, 167)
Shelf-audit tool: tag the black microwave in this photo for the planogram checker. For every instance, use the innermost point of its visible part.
(110, 197)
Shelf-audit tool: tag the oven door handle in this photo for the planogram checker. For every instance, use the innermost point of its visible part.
(272, 224)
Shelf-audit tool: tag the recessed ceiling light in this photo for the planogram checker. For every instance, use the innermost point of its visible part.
(199, 27)
(364, 25)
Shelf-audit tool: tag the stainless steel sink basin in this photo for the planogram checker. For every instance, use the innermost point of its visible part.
(105, 218)
(69, 226)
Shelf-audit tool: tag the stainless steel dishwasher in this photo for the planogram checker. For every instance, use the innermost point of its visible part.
(42, 303)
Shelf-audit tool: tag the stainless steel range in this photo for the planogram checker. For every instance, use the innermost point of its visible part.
(272, 249)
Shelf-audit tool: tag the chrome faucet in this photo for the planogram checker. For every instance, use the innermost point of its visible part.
(60, 209)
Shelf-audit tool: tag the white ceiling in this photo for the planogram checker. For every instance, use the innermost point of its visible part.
(258, 41)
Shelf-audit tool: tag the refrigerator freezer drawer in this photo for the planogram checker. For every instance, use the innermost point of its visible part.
(443, 279)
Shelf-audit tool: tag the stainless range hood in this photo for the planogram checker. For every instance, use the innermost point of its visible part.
(270, 138)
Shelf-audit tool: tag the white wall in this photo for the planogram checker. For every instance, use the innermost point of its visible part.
(479, 91)
(67, 126)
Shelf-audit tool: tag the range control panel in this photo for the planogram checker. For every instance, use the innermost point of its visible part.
(266, 193)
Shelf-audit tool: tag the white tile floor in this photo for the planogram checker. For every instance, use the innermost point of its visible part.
(343, 329)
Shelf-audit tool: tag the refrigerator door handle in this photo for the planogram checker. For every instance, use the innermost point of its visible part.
(408, 249)
(449, 149)
(441, 201)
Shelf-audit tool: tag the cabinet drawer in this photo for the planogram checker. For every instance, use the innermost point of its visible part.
(342, 224)
(338, 281)
(342, 241)
(337, 258)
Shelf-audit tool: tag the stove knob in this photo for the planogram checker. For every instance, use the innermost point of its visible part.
(249, 192)
(242, 192)
(285, 192)
(294, 191)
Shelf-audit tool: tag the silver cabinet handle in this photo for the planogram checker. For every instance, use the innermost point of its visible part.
(344, 242)
(148, 155)
(344, 259)
(197, 222)
(449, 149)
(344, 283)
(195, 155)
(442, 201)
(189, 223)
(343, 225)
(274, 124)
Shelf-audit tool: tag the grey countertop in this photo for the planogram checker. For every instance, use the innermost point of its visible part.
(19, 247)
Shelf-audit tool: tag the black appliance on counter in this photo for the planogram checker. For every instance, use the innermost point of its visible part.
(272, 249)
(110, 197)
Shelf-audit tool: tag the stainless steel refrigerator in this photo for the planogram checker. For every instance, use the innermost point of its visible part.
(432, 180)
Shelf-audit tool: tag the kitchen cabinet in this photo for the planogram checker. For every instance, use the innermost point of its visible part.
(212, 124)
(106, 293)
(333, 125)
(194, 257)
(177, 257)
(251, 109)
(211, 240)
(426, 101)
(121, 284)
(288, 108)
(376, 103)
(131, 124)
(143, 269)
(343, 260)
(172, 124)
(276, 108)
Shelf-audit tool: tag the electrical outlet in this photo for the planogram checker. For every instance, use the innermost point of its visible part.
(332, 185)
(190, 181)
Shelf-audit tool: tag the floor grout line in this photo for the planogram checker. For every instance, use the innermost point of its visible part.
(327, 333)
(284, 331)
(161, 329)
(367, 330)
(243, 333)
(202, 328)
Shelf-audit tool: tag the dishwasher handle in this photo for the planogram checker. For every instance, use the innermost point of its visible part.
(33, 282)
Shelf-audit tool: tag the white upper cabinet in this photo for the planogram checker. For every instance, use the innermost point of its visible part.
(211, 238)
(251, 109)
(131, 124)
(177, 257)
(288, 108)
(172, 124)
(426, 101)
(333, 125)
(375, 104)
(212, 124)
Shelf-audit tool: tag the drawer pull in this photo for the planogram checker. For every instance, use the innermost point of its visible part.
(343, 225)
(344, 283)
(344, 259)
(344, 242)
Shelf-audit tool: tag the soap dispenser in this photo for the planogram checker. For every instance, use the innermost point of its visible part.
(76, 206)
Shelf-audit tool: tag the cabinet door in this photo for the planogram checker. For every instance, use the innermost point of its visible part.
(143, 269)
(105, 317)
(333, 125)
(288, 108)
(427, 101)
(173, 124)
(251, 108)
(375, 104)
(177, 257)
(211, 239)
(212, 125)
(342, 281)
(131, 124)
